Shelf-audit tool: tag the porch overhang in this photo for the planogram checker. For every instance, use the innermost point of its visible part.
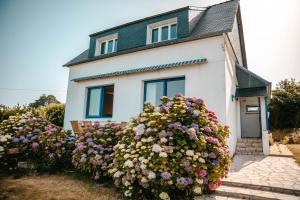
(250, 84)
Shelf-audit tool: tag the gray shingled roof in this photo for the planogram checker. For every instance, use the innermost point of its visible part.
(247, 79)
(216, 20)
(250, 84)
(143, 69)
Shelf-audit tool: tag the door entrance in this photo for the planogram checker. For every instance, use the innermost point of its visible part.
(250, 117)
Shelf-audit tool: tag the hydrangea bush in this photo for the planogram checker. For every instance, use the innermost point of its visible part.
(92, 153)
(177, 146)
(36, 140)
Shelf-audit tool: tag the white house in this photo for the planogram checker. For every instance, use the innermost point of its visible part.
(192, 50)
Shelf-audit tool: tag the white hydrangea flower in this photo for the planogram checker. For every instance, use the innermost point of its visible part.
(196, 112)
(156, 148)
(163, 140)
(117, 174)
(197, 190)
(164, 196)
(127, 193)
(128, 163)
(201, 160)
(1, 148)
(126, 156)
(139, 129)
(157, 109)
(151, 175)
(189, 153)
(163, 154)
(3, 139)
(200, 181)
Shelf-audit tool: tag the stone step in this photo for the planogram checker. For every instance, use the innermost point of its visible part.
(253, 194)
(256, 149)
(262, 187)
(249, 140)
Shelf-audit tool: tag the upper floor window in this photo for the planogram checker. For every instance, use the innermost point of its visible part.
(162, 31)
(155, 89)
(100, 102)
(107, 44)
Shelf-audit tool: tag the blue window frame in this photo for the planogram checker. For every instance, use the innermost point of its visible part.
(174, 31)
(100, 102)
(155, 89)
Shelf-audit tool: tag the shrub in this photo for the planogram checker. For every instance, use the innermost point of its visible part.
(6, 111)
(178, 146)
(54, 113)
(38, 141)
(93, 150)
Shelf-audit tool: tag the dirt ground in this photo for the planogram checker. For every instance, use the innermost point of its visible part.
(54, 187)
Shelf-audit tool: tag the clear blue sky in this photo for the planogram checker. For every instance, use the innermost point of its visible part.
(38, 36)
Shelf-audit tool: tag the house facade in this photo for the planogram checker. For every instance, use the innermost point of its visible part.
(194, 51)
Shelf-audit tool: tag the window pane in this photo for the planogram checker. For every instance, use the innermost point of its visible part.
(154, 35)
(154, 91)
(174, 87)
(108, 99)
(165, 33)
(174, 31)
(116, 45)
(110, 46)
(252, 108)
(94, 101)
(103, 45)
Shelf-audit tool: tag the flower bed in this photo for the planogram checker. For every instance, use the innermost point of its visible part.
(178, 146)
(94, 147)
(36, 140)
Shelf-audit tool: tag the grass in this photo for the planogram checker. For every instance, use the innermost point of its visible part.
(55, 187)
(295, 149)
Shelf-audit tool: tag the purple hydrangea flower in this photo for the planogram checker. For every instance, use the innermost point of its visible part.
(57, 144)
(107, 157)
(15, 140)
(189, 180)
(212, 155)
(89, 140)
(35, 145)
(34, 137)
(91, 144)
(25, 141)
(37, 130)
(90, 151)
(166, 175)
(88, 134)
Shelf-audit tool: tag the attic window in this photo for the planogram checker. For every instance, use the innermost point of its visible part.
(107, 44)
(162, 31)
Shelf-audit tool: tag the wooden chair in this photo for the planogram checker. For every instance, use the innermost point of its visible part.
(76, 127)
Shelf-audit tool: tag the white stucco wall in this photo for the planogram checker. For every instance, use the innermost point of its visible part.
(214, 81)
(232, 105)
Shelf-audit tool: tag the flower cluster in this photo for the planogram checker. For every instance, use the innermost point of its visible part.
(36, 140)
(92, 153)
(177, 146)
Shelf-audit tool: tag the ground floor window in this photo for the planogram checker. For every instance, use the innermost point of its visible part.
(100, 102)
(155, 89)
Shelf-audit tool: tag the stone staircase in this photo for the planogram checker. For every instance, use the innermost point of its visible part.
(249, 146)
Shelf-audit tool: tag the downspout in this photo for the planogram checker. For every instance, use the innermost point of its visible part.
(267, 113)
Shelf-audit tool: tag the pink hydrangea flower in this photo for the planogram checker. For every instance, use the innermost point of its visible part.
(202, 173)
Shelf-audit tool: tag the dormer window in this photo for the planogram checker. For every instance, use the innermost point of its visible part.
(107, 44)
(162, 31)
